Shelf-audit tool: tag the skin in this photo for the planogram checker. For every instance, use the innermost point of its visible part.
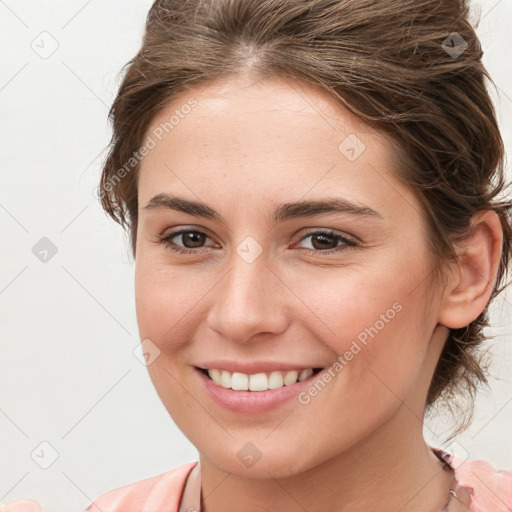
(247, 146)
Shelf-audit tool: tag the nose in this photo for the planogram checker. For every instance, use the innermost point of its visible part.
(249, 300)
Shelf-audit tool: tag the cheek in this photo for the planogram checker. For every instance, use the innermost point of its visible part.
(376, 322)
(166, 301)
(361, 304)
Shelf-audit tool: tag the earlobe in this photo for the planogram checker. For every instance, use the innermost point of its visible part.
(472, 280)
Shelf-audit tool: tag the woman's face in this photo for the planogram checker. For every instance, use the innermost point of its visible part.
(301, 251)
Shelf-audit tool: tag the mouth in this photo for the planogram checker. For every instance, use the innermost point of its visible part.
(257, 382)
(255, 393)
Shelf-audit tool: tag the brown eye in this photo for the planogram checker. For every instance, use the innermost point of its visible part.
(191, 241)
(326, 242)
(322, 241)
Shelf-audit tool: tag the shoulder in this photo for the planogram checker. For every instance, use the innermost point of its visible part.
(156, 493)
(490, 488)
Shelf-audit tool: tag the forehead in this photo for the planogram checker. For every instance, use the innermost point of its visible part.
(236, 104)
(276, 136)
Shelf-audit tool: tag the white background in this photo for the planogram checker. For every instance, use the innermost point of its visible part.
(68, 375)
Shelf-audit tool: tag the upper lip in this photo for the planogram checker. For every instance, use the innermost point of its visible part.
(250, 368)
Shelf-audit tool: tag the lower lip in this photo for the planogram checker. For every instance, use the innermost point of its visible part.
(253, 402)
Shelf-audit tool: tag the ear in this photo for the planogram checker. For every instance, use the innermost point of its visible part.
(472, 279)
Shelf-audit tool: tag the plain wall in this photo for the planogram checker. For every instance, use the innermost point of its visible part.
(68, 374)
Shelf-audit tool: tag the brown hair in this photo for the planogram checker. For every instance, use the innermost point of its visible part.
(410, 68)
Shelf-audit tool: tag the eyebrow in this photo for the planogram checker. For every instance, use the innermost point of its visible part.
(282, 212)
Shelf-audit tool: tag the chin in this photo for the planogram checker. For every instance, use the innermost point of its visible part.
(270, 461)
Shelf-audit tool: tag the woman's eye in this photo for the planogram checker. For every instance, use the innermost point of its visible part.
(326, 242)
(192, 241)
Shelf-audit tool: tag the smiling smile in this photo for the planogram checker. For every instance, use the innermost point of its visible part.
(254, 393)
(258, 381)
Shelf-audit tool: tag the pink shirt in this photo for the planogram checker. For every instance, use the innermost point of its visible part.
(179, 490)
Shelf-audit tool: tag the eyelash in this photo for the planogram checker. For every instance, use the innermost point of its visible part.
(348, 243)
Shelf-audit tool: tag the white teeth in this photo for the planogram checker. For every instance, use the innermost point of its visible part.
(275, 380)
(304, 374)
(240, 381)
(215, 376)
(290, 378)
(258, 381)
(225, 379)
